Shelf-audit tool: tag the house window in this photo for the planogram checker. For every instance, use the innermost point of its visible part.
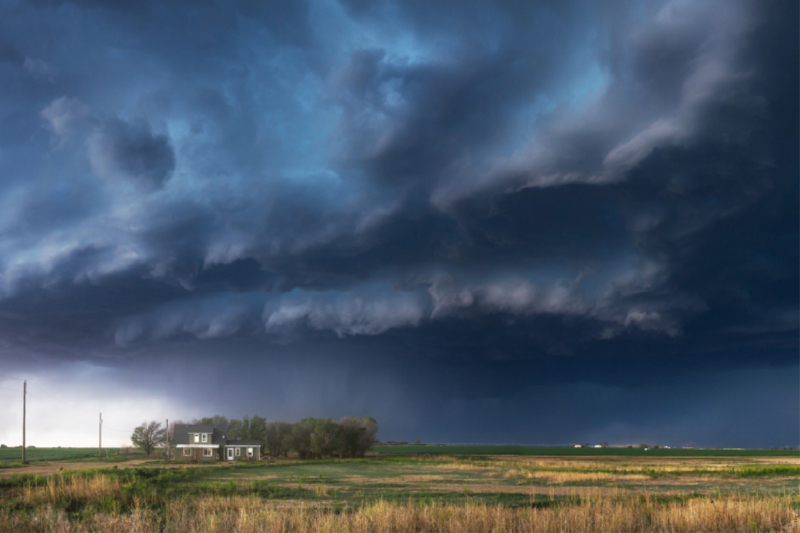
(197, 437)
(238, 452)
(208, 452)
(249, 452)
(205, 437)
(187, 452)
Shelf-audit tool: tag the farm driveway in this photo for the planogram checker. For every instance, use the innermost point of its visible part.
(54, 467)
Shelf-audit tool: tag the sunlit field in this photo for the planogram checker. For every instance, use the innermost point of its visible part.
(430, 493)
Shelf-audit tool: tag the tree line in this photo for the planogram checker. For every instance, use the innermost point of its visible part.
(311, 438)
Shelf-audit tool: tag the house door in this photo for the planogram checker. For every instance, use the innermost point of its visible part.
(230, 454)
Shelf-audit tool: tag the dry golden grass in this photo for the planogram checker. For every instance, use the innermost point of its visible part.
(571, 477)
(218, 514)
(462, 466)
(99, 503)
(502, 488)
(418, 478)
(638, 464)
(58, 488)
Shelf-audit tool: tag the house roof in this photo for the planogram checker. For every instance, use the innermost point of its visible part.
(181, 432)
(244, 442)
(201, 428)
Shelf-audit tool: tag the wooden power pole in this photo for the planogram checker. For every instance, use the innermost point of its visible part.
(100, 442)
(24, 395)
(166, 435)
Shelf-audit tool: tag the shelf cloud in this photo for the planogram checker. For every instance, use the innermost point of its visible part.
(461, 205)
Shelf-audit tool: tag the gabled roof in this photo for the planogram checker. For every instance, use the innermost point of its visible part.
(180, 434)
(201, 428)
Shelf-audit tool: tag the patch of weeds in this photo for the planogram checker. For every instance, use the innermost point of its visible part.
(768, 470)
(106, 505)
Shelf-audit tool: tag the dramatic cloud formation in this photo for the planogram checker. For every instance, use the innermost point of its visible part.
(458, 207)
(130, 151)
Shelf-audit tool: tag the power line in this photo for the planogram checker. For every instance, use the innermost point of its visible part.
(40, 393)
(37, 393)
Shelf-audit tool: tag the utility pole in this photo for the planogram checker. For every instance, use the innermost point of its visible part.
(100, 443)
(24, 395)
(166, 434)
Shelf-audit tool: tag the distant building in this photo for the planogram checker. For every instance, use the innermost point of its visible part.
(207, 443)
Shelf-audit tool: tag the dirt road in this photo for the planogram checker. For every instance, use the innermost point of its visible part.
(54, 467)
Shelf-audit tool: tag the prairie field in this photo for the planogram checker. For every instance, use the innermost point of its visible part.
(11, 457)
(431, 493)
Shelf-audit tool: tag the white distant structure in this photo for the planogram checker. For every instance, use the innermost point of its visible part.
(596, 446)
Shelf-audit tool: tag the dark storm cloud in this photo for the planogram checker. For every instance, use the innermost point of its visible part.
(131, 151)
(518, 194)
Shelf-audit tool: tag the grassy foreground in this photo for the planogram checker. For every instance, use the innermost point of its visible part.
(224, 514)
(409, 494)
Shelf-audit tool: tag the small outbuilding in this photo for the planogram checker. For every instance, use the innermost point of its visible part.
(243, 450)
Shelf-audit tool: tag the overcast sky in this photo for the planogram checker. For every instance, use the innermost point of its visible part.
(529, 222)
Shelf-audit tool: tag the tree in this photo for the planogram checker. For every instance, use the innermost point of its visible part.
(278, 438)
(258, 430)
(350, 434)
(244, 432)
(300, 439)
(325, 438)
(357, 435)
(149, 436)
(235, 429)
(216, 420)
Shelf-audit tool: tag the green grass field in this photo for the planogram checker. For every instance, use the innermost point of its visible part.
(12, 456)
(576, 452)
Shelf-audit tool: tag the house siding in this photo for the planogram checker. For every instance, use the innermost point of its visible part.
(243, 457)
(209, 438)
(196, 455)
